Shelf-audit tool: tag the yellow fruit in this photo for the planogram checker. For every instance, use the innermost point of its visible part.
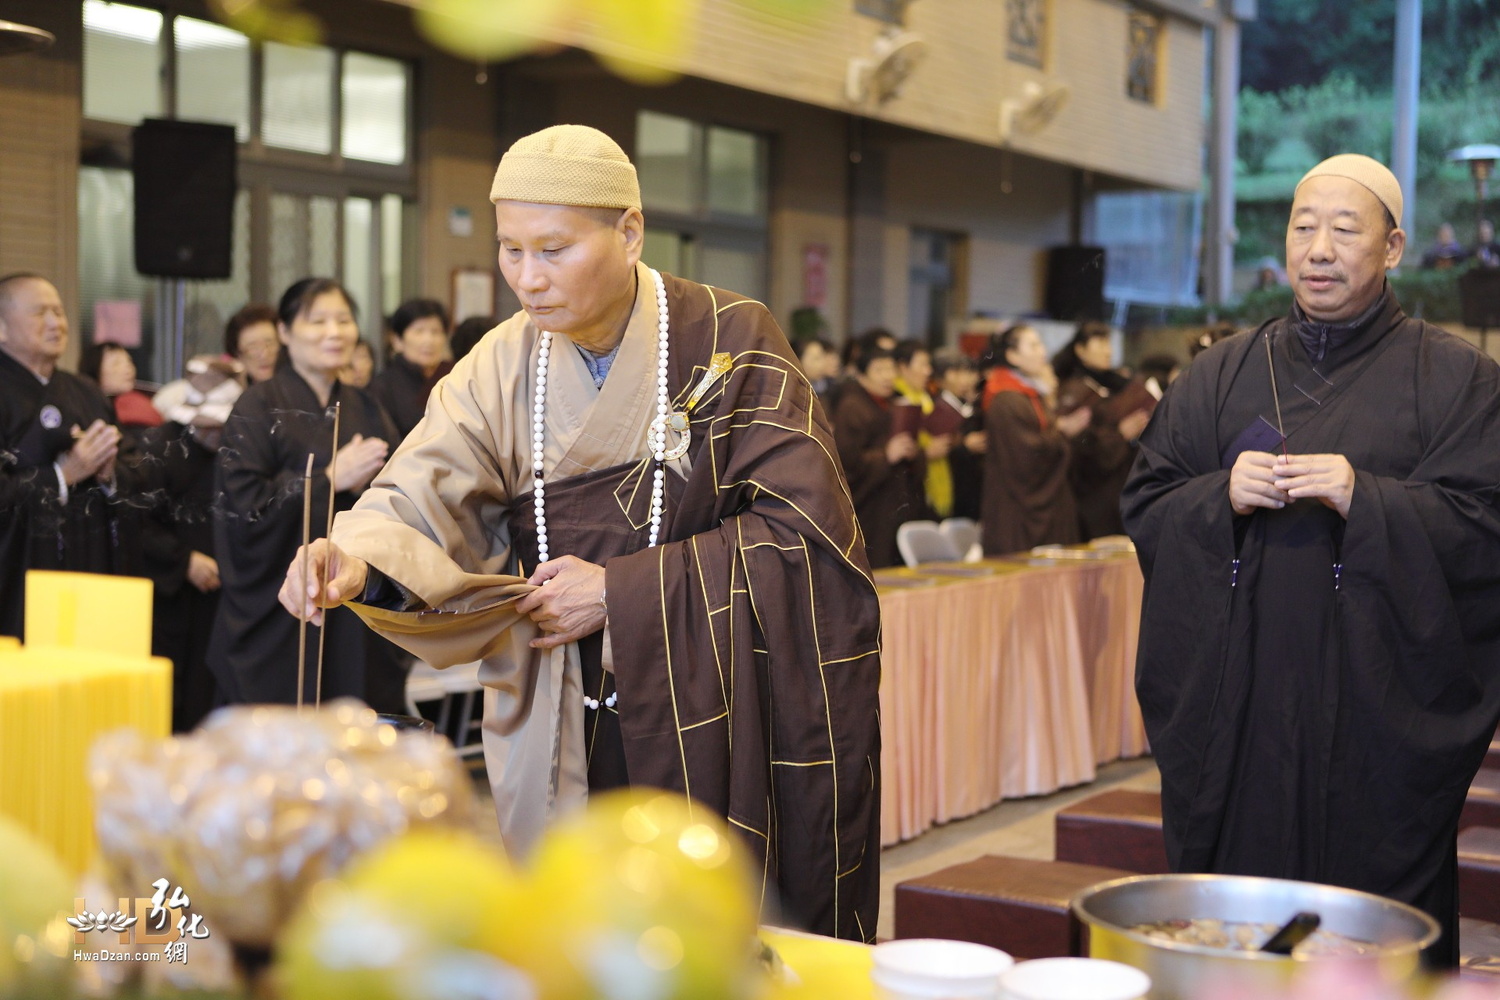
(643, 896)
(34, 888)
(34, 891)
(408, 920)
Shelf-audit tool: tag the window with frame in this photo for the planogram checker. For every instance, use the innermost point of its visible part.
(1026, 31)
(704, 189)
(1143, 55)
(325, 165)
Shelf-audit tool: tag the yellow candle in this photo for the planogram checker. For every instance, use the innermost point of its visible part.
(86, 670)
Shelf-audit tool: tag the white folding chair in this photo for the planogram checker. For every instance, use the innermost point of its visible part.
(963, 534)
(457, 686)
(923, 541)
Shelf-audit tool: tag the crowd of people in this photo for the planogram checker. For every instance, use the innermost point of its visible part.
(200, 486)
(1447, 252)
(1034, 449)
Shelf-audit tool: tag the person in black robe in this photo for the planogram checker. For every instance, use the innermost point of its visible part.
(275, 425)
(177, 527)
(956, 405)
(419, 333)
(1314, 509)
(877, 461)
(62, 489)
(468, 334)
(1099, 461)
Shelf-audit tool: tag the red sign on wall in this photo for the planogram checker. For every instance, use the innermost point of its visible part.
(815, 274)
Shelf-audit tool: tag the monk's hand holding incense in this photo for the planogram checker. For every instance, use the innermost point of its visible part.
(303, 594)
(1326, 478)
(568, 602)
(1252, 483)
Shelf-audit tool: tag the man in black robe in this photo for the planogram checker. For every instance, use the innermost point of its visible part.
(1314, 510)
(58, 445)
(733, 654)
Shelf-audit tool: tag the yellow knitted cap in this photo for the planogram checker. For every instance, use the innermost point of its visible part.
(567, 165)
(1369, 174)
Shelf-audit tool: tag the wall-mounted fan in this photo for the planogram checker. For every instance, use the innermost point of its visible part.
(893, 57)
(1029, 113)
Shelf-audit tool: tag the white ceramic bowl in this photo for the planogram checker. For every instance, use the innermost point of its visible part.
(922, 968)
(1073, 979)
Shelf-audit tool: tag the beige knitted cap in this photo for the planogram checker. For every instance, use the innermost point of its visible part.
(567, 165)
(1370, 174)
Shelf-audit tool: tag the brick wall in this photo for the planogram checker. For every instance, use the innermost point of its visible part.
(39, 118)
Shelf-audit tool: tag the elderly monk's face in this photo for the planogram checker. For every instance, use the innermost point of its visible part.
(33, 326)
(572, 268)
(1338, 248)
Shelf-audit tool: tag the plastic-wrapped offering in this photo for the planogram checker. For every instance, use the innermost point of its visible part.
(260, 803)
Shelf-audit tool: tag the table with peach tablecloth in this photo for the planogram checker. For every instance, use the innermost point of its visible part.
(1003, 679)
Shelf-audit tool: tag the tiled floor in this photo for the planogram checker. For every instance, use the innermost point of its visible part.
(1020, 827)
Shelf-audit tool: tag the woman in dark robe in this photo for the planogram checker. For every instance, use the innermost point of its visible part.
(1027, 497)
(875, 458)
(1104, 450)
(273, 429)
(419, 334)
(113, 370)
(956, 406)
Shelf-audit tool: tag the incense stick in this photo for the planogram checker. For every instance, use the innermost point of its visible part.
(306, 545)
(333, 460)
(1275, 395)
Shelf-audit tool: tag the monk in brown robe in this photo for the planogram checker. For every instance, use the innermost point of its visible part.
(625, 502)
(878, 459)
(1028, 499)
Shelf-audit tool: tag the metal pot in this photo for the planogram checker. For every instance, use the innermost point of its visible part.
(1181, 971)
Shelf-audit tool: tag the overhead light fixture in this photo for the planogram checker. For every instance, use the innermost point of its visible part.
(18, 38)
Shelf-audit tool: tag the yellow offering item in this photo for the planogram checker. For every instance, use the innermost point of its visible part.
(34, 892)
(108, 614)
(410, 919)
(819, 967)
(642, 895)
(85, 671)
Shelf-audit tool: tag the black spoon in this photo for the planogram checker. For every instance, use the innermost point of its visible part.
(1292, 933)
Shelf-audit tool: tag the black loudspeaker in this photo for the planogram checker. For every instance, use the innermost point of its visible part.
(1075, 283)
(1479, 298)
(184, 198)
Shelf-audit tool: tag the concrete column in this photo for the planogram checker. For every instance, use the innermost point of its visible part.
(1219, 235)
(1408, 80)
(866, 235)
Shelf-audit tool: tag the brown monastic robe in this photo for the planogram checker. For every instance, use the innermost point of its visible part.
(862, 427)
(1027, 497)
(1100, 459)
(744, 646)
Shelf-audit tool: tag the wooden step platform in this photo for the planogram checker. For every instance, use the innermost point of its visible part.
(1019, 905)
(1117, 829)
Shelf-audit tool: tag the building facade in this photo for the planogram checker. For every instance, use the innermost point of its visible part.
(903, 164)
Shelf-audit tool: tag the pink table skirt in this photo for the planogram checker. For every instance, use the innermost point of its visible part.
(1008, 685)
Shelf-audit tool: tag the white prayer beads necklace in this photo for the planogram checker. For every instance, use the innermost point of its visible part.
(656, 437)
